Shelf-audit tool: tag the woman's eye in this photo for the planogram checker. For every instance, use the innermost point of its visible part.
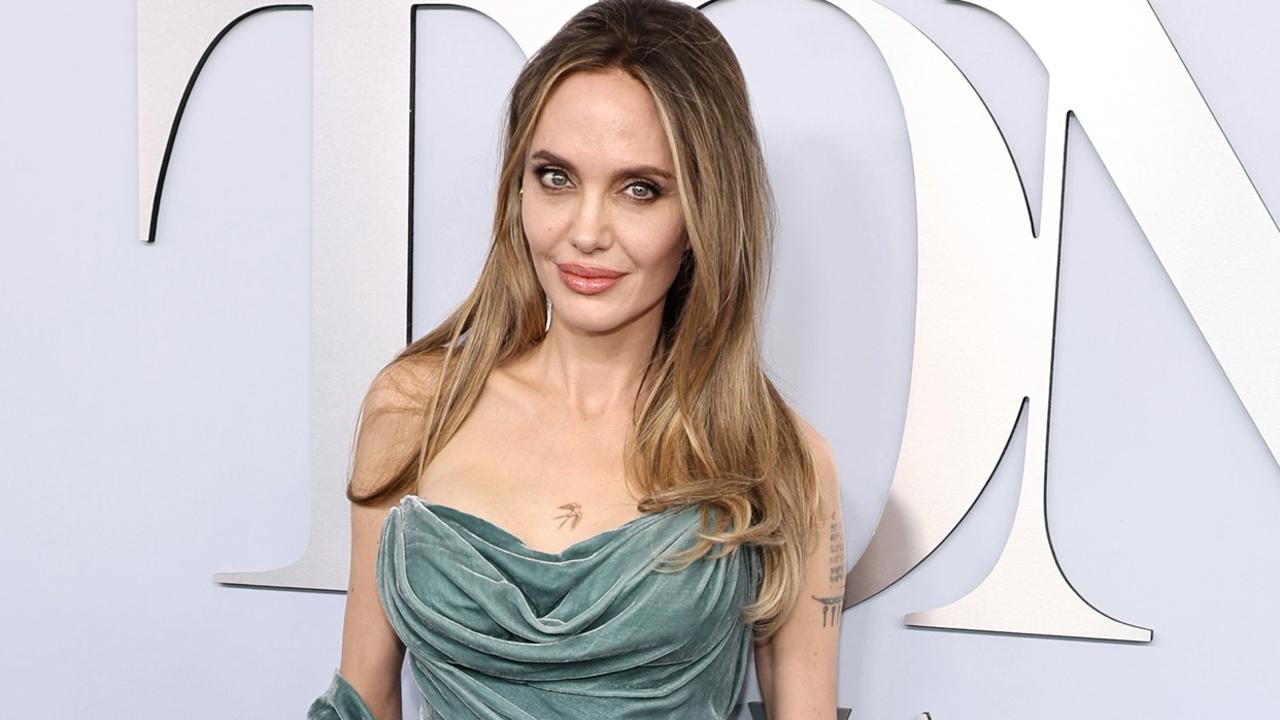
(646, 191)
(553, 177)
(557, 179)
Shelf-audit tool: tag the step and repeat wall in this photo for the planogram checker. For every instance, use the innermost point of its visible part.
(1026, 283)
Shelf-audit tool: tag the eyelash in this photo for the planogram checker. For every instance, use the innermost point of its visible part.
(654, 191)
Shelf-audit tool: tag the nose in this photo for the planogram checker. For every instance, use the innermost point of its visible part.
(590, 229)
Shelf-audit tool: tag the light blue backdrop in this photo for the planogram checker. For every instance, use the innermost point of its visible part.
(153, 400)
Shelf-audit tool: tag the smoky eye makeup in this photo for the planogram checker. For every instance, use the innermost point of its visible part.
(653, 189)
(544, 173)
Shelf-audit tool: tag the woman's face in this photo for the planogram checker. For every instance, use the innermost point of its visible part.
(600, 208)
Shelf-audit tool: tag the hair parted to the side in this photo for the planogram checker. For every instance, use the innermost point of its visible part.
(712, 429)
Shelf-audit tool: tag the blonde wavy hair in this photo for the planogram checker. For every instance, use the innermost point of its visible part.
(712, 428)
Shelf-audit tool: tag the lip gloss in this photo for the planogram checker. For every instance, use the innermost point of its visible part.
(586, 285)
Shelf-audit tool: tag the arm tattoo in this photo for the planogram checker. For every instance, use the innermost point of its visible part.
(831, 607)
(837, 550)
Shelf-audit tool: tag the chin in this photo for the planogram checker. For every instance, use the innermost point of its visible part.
(594, 324)
(594, 320)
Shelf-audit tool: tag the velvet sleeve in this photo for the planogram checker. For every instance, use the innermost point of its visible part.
(339, 702)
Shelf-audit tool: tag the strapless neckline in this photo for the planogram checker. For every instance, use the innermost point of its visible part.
(495, 629)
(498, 535)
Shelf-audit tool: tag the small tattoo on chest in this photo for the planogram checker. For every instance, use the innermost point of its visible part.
(572, 514)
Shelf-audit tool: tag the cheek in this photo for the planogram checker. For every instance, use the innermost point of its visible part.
(658, 248)
(540, 227)
(665, 243)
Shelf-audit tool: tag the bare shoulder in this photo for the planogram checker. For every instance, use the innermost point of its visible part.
(824, 462)
(406, 383)
(391, 415)
(818, 445)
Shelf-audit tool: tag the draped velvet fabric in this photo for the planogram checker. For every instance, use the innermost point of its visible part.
(496, 630)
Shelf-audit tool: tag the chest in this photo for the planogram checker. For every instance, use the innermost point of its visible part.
(551, 478)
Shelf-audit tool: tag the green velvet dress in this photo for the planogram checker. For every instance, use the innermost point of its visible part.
(495, 630)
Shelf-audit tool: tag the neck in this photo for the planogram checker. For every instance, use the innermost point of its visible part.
(597, 374)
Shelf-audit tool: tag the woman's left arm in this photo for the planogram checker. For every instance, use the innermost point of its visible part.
(796, 668)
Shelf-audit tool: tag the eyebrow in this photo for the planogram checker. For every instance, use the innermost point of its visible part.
(626, 171)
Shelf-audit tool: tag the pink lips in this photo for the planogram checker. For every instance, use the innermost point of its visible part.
(587, 280)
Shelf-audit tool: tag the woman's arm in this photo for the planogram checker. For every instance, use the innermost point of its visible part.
(372, 653)
(796, 668)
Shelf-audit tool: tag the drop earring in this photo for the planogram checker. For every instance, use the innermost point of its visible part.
(547, 327)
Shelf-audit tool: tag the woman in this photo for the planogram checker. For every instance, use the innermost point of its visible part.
(580, 496)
